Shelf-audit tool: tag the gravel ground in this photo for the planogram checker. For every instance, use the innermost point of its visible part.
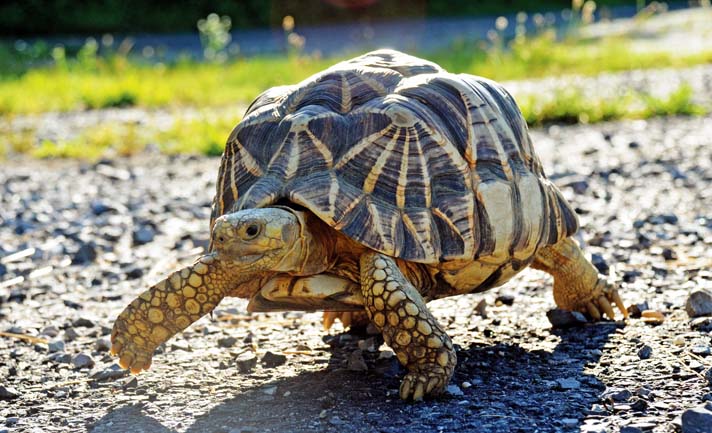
(79, 241)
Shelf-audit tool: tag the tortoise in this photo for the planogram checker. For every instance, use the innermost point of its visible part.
(375, 186)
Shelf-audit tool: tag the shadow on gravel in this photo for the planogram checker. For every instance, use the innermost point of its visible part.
(513, 389)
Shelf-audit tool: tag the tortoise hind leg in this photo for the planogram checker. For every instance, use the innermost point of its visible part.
(400, 313)
(353, 319)
(577, 285)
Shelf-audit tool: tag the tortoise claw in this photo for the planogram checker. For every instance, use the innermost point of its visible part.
(604, 295)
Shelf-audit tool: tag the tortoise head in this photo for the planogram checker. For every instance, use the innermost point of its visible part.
(257, 240)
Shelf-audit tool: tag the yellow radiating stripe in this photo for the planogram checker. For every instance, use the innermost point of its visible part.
(424, 175)
(403, 176)
(360, 146)
(369, 184)
(322, 148)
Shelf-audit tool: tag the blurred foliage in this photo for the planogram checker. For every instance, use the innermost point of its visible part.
(88, 80)
(36, 78)
(48, 17)
(215, 36)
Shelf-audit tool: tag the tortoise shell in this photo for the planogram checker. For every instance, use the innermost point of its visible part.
(401, 156)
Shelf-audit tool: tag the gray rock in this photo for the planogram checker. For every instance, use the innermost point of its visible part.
(82, 360)
(271, 360)
(699, 303)
(702, 324)
(701, 349)
(630, 429)
(55, 346)
(669, 254)
(86, 254)
(697, 420)
(645, 352)
(102, 344)
(143, 235)
(566, 384)
(454, 390)
(616, 394)
(50, 331)
(246, 362)
(356, 361)
(112, 372)
(565, 319)
(600, 263)
(8, 393)
(83, 322)
(227, 342)
(70, 334)
(708, 376)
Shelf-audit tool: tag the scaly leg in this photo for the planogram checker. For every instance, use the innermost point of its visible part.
(577, 285)
(398, 310)
(166, 309)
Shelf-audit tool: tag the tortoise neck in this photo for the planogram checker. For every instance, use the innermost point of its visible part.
(313, 252)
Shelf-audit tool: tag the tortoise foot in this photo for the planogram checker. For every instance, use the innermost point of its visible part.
(428, 380)
(603, 296)
(134, 350)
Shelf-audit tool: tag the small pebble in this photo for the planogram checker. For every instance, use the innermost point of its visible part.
(227, 342)
(504, 300)
(565, 319)
(271, 360)
(652, 317)
(700, 349)
(465, 385)
(669, 254)
(50, 331)
(678, 341)
(697, 420)
(143, 235)
(246, 362)
(102, 344)
(82, 360)
(356, 361)
(645, 352)
(566, 384)
(699, 303)
(454, 390)
(8, 393)
(55, 346)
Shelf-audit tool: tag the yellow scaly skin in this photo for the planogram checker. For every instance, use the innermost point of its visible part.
(248, 246)
(577, 285)
(400, 313)
(168, 308)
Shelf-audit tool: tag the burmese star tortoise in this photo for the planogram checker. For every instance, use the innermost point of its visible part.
(379, 184)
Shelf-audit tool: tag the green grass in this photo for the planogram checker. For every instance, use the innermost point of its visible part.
(116, 81)
(49, 80)
(206, 134)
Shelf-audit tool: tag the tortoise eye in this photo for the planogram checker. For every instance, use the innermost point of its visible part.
(252, 231)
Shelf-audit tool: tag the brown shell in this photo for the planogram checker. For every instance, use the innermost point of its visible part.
(400, 155)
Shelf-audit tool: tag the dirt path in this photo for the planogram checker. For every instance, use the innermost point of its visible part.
(80, 241)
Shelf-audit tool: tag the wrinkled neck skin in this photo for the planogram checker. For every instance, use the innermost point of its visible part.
(306, 250)
(312, 252)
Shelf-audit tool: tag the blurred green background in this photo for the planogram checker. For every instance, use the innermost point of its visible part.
(188, 101)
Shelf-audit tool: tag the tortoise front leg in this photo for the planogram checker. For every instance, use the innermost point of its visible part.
(398, 310)
(166, 309)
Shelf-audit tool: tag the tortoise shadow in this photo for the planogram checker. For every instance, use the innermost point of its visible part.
(512, 389)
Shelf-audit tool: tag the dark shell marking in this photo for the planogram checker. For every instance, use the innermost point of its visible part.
(400, 155)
